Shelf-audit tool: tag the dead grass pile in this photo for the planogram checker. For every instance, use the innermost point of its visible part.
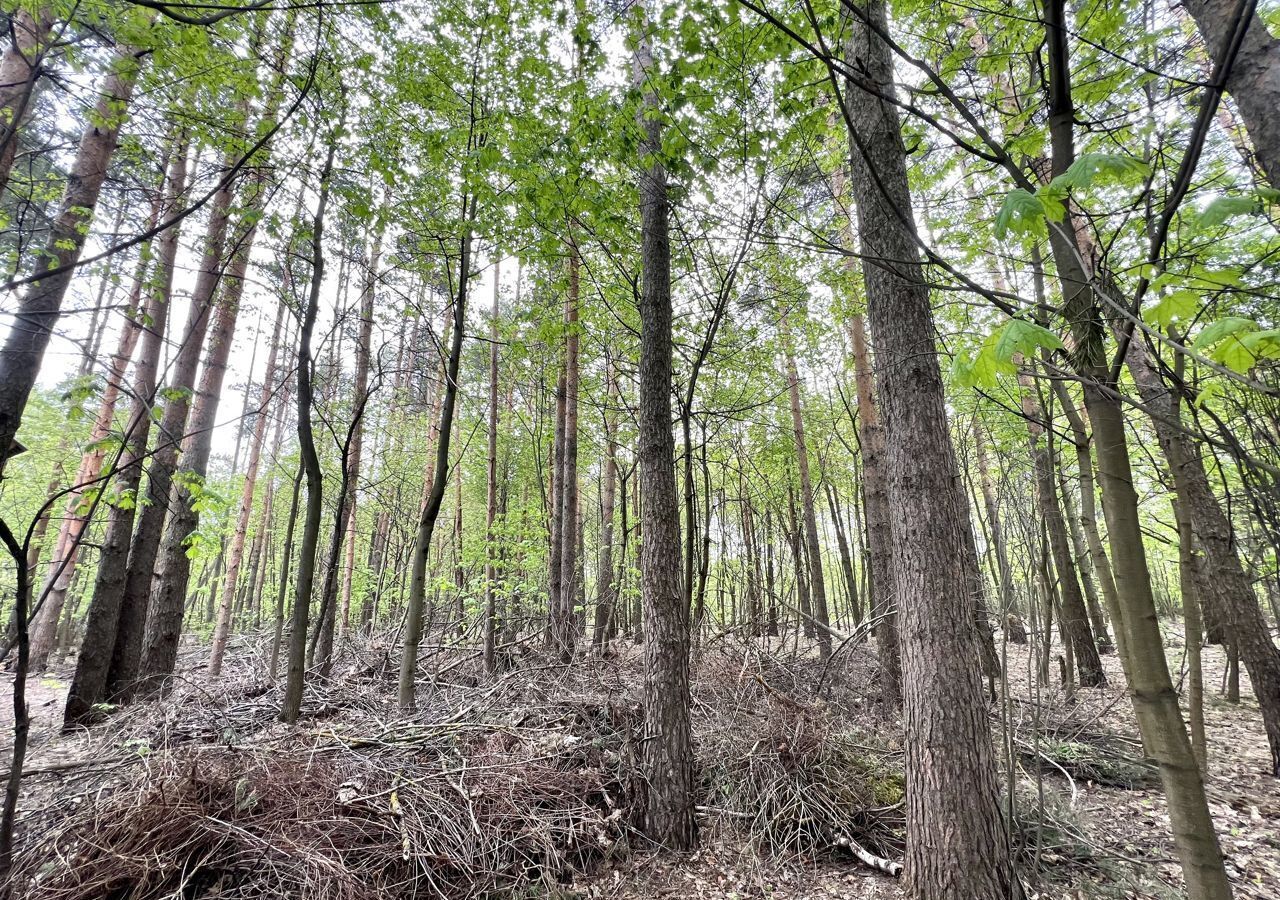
(458, 813)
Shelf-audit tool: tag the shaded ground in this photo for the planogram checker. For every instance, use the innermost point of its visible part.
(755, 712)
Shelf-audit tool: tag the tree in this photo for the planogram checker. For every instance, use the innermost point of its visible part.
(668, 749)
(956, 846)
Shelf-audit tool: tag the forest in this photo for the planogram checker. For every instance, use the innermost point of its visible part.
(795, 449)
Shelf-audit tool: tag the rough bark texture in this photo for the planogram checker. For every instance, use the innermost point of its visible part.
(668, 746)
(958, 849)
(159, 650)
(41, 305)
(173, 423)
(103, 616)
(1254, 82)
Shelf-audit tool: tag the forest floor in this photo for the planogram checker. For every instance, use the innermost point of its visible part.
(525, 785)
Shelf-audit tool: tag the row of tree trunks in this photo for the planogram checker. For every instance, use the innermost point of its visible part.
(1151, 689)
(102, 618)
(75, 520)
(1074, 616)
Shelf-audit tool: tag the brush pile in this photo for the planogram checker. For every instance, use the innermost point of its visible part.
(493, 787)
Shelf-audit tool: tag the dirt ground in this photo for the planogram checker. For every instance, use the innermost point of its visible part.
(1126, 831)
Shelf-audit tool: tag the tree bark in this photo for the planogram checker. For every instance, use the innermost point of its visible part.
(491, 489)
(20, 69)
(291, 703)
(1254, 80)
(236, 551)
(667, 762)
(75, 519)
(875, 490)
(606, 577)
(1074, 616)
(958, 848)
(102, 620)
(41, 305)
(566, 619)
(431, 511)
(1227, 587)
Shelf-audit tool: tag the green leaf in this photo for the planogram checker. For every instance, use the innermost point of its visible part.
(1218, 331)
(1173, 307)
(1090, 168)
(1021, 336)
(1021, 213)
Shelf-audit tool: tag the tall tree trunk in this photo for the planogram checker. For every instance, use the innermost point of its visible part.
(846, 555)
(875, 490)
(1254, 79)
(435, 499)
(1089, 514)
(817, 581)
(20, 69)
(1074, 617)
(157, 653)
(41, 304)
(236, 551)
(566, 620)
(361, 397)
(606, 577)
(1193, 631)
(667, 762)
(103, 617)
(291, 703)
(491, 489)
(145, 546)
(1154, 701)
(957, 847)
(1004, 572)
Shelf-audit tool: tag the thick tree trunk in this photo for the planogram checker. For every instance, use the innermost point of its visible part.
(1254, 81)
(1074, 617)
(41, 305)
(667, 761)
(159, 649)
(145, 547)
(103, 617)
(958, 846)
(75, 520)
